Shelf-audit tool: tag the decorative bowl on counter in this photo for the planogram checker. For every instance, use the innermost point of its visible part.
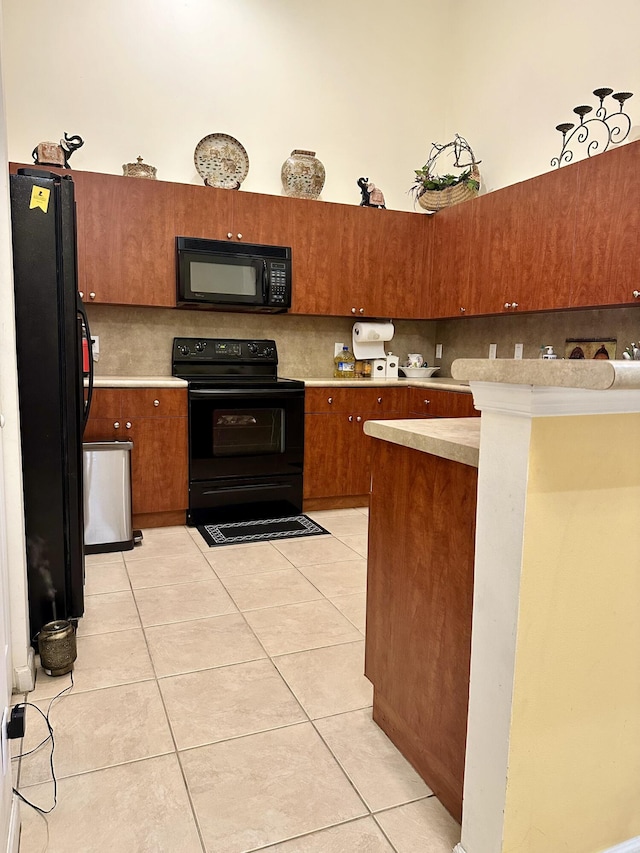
(418, 372)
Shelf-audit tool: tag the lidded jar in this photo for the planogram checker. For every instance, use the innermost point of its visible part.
(302, 175)
(139, 170)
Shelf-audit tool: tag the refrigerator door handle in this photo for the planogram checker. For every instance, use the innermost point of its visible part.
(87, 403)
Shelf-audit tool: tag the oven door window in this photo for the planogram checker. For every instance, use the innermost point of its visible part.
(247, 432)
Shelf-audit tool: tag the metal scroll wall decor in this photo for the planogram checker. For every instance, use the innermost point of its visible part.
(597, 132)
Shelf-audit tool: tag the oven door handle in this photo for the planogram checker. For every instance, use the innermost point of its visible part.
(265, 281)
(245, 393)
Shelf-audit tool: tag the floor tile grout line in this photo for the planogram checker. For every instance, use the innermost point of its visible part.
(173, 739)
(312, 832)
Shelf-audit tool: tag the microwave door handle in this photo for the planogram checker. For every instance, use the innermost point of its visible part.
(265, 281)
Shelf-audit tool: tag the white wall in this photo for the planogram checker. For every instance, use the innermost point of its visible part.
(352, 81)
(523, 69)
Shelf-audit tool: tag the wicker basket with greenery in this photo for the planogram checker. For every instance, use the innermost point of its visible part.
(433, 192)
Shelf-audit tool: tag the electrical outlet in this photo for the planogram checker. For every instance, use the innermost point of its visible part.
(493, 350)
(438, 350)
(95, 346)
(517, 352)
(337, 349)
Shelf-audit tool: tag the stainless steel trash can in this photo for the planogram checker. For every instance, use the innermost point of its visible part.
(107, 496)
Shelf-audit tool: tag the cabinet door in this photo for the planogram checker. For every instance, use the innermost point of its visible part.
(204, 212)
(129, 240)
(448, 286)
(328, 446)
(154, 402)
(401, 274)
(159, 464)
(607, 235)
(262, 219)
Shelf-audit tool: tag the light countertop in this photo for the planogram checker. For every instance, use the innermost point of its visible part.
(591, 374)
(457, 439)
(138, 382)
(444, 383)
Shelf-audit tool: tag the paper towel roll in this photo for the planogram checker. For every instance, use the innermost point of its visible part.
(369, 339)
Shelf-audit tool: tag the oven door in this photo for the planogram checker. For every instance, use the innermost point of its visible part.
(246, 453)
(250, 432)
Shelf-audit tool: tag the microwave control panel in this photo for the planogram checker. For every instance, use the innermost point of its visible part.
(277, 282)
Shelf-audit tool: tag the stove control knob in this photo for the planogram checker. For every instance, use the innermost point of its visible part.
(184, 350)
(200, 346)
(253, 348)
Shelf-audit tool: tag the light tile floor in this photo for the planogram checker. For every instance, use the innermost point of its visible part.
(219, 705)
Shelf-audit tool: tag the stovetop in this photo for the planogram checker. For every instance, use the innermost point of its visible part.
(228, 362)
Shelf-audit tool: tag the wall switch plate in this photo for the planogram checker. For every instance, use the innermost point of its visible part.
(493, 350)
(517, 352)
(438, 350)
(95, 346)
(337, 349)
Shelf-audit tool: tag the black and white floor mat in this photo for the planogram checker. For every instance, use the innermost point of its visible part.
(260, 530)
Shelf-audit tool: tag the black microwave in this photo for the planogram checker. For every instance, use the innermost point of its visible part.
(235, 276)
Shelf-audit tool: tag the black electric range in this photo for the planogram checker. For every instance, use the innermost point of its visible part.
(246, 430)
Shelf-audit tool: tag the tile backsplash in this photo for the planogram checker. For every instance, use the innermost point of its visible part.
(137, 341)
(470, 337)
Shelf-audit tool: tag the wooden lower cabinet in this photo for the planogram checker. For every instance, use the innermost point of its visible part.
(336, 460)
(337, 452)
(155, 420)
(419, 606)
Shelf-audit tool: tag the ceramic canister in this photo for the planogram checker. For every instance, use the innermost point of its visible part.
(302, 175)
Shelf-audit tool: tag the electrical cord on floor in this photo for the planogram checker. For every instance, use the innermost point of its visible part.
(48, 738)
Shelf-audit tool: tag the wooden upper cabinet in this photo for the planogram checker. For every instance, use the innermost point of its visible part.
(202, 212)
(522, 245)
(448, 285)
(607, 232)
(357, 261)
(127, 229)
(217, 214)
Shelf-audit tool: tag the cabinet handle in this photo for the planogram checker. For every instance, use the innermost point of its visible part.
(514, 304)
(350, 418)
(156, 402)
(362, 310)
(427, 402)
(462, 310)
(92, 295)
(636, 294)
(329, 400)
(116, 425)
(507, 305)
(239, 236)
(379, 399)
(81, 294)
(128, 425)
(353, 310)
(358, 418)
(229, 235)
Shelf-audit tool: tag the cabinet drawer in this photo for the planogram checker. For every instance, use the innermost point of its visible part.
(154, 402)
(329, 399)
(441, 404)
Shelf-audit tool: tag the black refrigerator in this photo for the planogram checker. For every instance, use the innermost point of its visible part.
(52, 363)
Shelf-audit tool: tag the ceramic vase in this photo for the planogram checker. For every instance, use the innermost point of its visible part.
(302, 175)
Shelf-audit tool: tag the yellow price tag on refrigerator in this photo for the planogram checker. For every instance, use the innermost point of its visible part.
(40, 198)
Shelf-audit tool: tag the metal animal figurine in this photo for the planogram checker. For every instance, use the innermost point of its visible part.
(371, 195)
(50, 154)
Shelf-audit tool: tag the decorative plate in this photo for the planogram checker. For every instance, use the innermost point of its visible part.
(221, 161)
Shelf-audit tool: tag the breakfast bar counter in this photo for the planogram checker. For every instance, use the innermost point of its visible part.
(502, 632)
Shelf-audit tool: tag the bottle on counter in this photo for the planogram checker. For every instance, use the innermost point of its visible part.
(344, 364)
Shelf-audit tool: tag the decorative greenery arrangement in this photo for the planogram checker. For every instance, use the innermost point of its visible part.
(427, 181)
(448, 189)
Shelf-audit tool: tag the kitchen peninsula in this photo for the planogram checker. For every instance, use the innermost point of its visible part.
(549, 580)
